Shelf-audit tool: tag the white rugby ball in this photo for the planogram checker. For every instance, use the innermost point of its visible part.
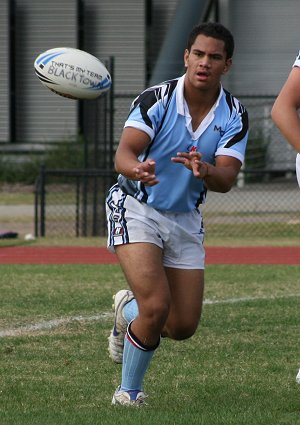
(72, 73)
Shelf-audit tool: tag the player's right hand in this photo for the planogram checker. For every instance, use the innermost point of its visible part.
(145, 172)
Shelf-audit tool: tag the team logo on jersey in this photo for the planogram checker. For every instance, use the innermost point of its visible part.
(118, 231)
(192, 148)
(220, 130)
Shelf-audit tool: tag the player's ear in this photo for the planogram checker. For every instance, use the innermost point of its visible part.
(227, 65)
(185, 57)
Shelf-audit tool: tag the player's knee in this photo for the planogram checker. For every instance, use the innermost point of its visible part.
(155, 314)
(161, 311)
(182, 331)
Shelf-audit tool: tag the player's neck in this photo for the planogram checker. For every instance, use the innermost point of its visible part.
(199, 104)
(201, 99)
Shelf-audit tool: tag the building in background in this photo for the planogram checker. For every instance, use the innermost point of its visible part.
(134, 33)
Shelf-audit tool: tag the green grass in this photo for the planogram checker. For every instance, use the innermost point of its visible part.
(17, 194)
(239, 368)
(269, 229)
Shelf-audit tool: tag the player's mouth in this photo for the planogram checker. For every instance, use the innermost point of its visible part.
(202, 76)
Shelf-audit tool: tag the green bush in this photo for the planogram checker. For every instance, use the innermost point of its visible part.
(256, 156)
(66, 154)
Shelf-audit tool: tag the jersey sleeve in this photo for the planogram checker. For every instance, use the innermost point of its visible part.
(297, 60)
(147, 111)
(234, 140)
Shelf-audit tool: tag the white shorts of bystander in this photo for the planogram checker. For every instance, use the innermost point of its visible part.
(298, 168)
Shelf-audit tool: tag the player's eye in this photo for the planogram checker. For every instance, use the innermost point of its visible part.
(216, 57)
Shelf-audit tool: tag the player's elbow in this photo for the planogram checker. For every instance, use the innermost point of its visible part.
(222, 187)
(281, 112)
(118, 164)
(117, 168)
(274, 113)
(226, 189)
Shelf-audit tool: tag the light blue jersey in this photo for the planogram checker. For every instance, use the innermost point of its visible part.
(297, 60)
(162, 112)
(297, 64)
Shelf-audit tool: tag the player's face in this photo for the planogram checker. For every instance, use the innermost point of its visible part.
(206, 63)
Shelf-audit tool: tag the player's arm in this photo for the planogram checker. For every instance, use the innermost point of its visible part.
(219, 177)
(132, 143)
(285, 109)
(222, 176)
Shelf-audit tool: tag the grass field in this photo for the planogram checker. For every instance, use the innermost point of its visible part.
(238, 369)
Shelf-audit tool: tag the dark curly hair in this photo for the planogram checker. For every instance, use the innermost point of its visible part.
(214, 30)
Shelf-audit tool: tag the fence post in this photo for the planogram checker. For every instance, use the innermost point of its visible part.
(43, 201)
(111, 115)
(84, 204)
(241, 177)
(36, 206)
(77, 206)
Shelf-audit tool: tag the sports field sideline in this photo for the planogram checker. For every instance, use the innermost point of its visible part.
(100, 255)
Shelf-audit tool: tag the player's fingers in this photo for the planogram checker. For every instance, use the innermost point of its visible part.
(195, 155)
(178, 160)
(183, 155)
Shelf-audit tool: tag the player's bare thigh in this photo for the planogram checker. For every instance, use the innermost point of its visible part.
(142, 265)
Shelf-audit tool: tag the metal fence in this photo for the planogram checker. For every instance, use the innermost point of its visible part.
(268, 208)
(72, 203)
(265, 201)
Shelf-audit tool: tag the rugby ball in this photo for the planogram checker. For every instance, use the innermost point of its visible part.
(72, 73)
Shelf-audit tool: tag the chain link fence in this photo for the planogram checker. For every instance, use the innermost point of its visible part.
(266, 199)
(264, 202)
(71, 202)
(267, 210)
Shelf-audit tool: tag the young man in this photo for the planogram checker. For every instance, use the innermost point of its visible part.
(181, 138)
(285, 111)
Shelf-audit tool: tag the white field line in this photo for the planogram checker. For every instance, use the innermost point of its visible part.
(243, 299)
(50, 324)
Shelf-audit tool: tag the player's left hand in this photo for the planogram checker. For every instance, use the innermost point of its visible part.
(192, 161)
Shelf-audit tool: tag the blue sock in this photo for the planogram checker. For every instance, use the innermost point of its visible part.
(130, 310)
(136, 360)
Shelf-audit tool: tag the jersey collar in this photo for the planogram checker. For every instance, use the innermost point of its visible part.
(180, 100)
(182, 109)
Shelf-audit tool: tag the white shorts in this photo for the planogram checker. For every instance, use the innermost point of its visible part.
(298, 168)
(180, 235)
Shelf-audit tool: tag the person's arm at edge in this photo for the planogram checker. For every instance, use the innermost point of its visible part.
(285, 109)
